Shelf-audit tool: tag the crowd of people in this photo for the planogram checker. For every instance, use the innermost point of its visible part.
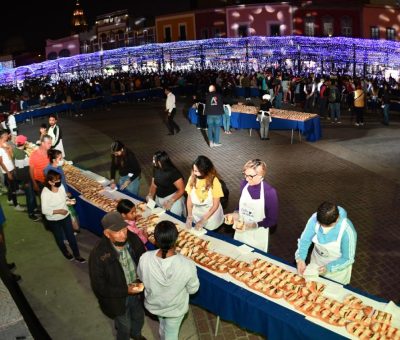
(123, 267)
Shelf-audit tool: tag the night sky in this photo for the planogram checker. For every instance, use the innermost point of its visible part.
(30, 23)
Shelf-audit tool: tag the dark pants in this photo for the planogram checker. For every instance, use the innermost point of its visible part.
(61, 228)
(11, 189)
(202, 122)
(129, 325)
(172, 126)
(359, 112)
(323, 103)
(247, 92)
(30, 198)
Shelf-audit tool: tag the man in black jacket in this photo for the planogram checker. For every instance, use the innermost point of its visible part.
(112, 268)
(214, 110)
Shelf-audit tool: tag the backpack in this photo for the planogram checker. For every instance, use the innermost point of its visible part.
(332, 95)
(224, 200)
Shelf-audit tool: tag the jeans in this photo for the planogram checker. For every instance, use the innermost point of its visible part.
(335, 110)
(386, 114)
(278, 100)
(226, 121)
(264, 127)
(214, 125)
(63, 228)
(169, 327)
(129, 325)
(133, 187)
(30, 198)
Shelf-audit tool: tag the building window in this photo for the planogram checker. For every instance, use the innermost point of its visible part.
(167, 34)
(52, 56)
(243, 31)
(309, 26)
(204, 33)
(390, 33)
(374, 32)
(120, 35)
(327, 26)
(182, 31)
(346, 26)
(216, 32)
(64, 53)
(275, 30)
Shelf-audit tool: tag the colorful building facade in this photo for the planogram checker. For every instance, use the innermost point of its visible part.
(381, 22)
(176, 27)
(263, 19)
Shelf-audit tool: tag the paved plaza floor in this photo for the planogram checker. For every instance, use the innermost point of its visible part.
(359, 168)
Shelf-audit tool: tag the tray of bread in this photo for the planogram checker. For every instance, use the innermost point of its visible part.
(292, 115)
(352, 317)
(78, 179)
(241, 108)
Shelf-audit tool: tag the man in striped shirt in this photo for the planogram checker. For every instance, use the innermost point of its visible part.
(334, 239)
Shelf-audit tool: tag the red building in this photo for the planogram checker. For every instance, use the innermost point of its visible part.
(273, 19)
(210, 23)
(322, 18)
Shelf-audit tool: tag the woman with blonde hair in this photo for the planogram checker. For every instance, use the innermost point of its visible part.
(258, 206)
(204, 193)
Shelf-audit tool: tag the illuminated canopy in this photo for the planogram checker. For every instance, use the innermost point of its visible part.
(230, 53)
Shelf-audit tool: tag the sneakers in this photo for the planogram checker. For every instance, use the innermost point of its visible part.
(217, 144)
(10, 202)
(69, 256)
(19, 208)
(34, 218)
(20, 192)
(211, 144)
(356, 124)
(80, 259)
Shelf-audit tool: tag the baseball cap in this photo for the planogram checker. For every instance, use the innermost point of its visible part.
(113, 221)
(21, 139)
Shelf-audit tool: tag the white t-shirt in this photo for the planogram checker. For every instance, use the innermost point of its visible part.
(7, 161)
(54, 201)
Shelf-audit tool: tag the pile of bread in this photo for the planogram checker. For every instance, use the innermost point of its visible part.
(89, 188)
(291, 115)
(245, 109)
(275, 282)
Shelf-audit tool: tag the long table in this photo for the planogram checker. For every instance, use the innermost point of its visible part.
(311, 128)
(87, 103)
(228, 300)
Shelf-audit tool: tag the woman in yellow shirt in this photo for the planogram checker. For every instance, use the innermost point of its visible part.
(204, 192)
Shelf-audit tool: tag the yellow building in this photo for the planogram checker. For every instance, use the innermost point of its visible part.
(176, 27)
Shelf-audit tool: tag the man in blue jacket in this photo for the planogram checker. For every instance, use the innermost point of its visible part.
(334, 239)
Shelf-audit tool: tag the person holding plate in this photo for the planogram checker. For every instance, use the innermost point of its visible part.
(204, 193)
(258, 207)
(334, 239)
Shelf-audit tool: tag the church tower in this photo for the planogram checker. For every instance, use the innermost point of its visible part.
(79, 23)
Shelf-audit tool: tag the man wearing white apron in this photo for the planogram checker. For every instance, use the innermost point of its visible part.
(54, 132)
(334, 239)
(203, 205)
(258, 206)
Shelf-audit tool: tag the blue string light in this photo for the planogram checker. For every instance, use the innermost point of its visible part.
(219, 53)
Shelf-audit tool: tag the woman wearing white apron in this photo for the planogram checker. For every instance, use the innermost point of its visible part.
(334, 239)
(167, 185)
(204, 192)
(258, 206)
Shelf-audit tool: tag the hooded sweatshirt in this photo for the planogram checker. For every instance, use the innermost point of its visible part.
(348, 242)
(168, 283)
